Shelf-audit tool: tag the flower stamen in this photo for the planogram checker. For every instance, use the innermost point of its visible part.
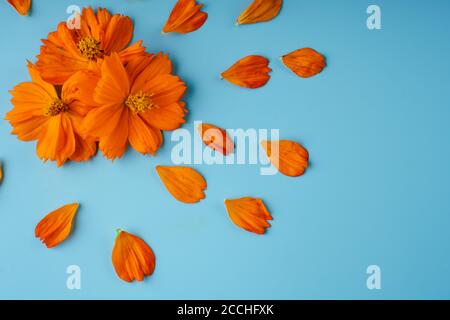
(140, 102)
(90, 48)
(55, 107)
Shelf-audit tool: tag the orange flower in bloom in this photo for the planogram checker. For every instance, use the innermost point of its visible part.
(185, 17)
(21, 6)
(57, 225)
(305, 62)
(132, 258)
(67, 50)
(185, 184)
(249, 213)
(289, 157)
(53, 119)
(249, 72)
(134, 103)
(216, 138)
(259, 11)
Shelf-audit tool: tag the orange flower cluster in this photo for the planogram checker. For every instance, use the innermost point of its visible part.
(90, 88)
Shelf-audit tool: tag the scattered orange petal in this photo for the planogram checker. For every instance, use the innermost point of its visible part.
(216, 138)
(289, 157)
(185, 17)
(249, 213)
(1, 172)
(305, 62)
(249, 72)
(21, 6)
(259, 11)
(57, 225)
(132, 258)
(185, 184)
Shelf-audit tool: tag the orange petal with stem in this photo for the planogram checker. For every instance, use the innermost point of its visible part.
(249, 213)
(249, 72)
(289, 157)
(132, 258)
(216, 138)
(185, 184)
(185, 17)
(21, 6)
(57, 225)
(259, 11)
(305, 62)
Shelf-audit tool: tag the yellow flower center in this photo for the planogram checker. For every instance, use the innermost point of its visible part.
(55, 107)
(90, 48)
(140, 102)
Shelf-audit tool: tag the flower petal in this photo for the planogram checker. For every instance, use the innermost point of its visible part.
(21, 6)
(132, 258)
(115, 144)
(305, 62)
(249, 72)
(185, 17)
(1, 172)
(249, 213)
(259, 11)
(289, 157)
(142, 137)
(185, 184)
(216, 138)
(57, 225)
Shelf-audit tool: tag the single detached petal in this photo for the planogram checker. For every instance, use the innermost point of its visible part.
(249, 72)
(185, 17)
(1, 172)
(216, 138)
(21, 6)
(57, 225)
(185, 184)
(132, 258)
(305, 62)
(249, 213)
(289, 157)
(259, 11)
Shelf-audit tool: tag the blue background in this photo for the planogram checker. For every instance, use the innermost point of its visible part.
(376, 123)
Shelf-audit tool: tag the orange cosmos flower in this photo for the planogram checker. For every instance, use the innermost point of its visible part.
(305, 62)
(134, 103)
(185, 17)
(21, 6)
(53, 119)
(289, 157)
(249, 213)
(132, 258)
(185, 184)
(259, 11)
(249, 72)
(67, 51)
(216, 138)
(57, 225)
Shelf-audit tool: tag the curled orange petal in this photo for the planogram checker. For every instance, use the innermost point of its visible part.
(132, 258)
(185, 184)
(289, 157)
(304, 62)
(216, 138)
(185, 17)
(249, 213)
(21, 6)
(57, 225)
(259, 11)
(249, 72)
